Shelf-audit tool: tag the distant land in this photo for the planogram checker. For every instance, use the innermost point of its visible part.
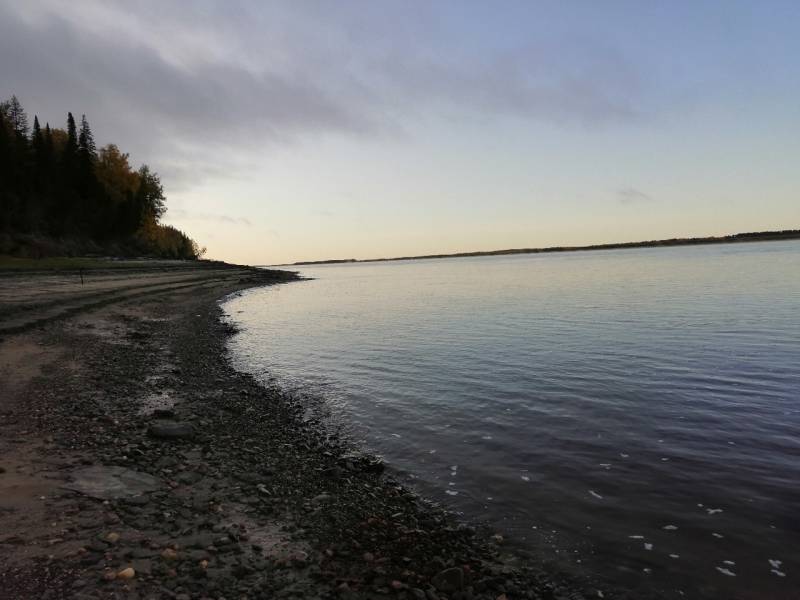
(755, 236)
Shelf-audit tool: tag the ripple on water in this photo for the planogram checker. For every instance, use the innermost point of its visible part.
(636, 382)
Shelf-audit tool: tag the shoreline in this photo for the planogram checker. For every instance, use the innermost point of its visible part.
(188, 479)
(736, 238)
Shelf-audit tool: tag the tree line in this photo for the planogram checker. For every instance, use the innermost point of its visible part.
(56, 185)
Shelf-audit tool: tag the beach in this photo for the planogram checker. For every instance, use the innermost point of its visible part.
(135, 462)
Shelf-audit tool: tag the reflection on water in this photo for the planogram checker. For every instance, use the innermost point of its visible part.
(632, 415)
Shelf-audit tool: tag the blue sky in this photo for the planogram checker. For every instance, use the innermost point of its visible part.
(311, 130)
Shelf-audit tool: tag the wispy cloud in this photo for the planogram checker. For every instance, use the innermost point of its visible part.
(187, 87)
(187, 215)
(629, 195)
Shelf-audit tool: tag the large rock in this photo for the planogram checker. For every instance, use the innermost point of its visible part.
(171, 430)
(449, 580)
(110, 483)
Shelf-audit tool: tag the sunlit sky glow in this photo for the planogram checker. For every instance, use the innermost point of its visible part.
(314, 130)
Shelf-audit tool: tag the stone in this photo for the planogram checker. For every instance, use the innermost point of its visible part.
(128, 573)
(171, 430)
(111, 483)
(449, 580)
(163, 413)
(112, 538)
(169, 554)
(362, 462)
(143, 566)
(137, 501)
(198, 555)
(201, 540)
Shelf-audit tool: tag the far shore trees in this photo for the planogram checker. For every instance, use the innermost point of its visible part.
(58, 188)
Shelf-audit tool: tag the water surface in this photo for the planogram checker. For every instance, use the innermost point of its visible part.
(628, 415)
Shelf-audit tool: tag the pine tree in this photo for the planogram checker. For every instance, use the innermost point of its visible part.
(6, 200)
(55, 182)
(37, 139)
(47, 146)
(38, 159)
(86, 146)
(67, 209)
(50, 180)
(72, 137)
(17, 117)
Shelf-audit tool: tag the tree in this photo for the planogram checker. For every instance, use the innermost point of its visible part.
(39, 162)
(48, 148)
(86, 148)
(119, 184)
(150, 196)
(6, 169)
(17, 117)
(37, 141)
(114, 173)
(71, 148)
(55, 182)
(86, 181)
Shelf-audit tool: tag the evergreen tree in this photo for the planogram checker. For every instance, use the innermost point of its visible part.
(39, 167)
(71, 148)
(37, 140)
(86, 147)
(48, 150)
(17, 117)
(55, 182)
(5, 168)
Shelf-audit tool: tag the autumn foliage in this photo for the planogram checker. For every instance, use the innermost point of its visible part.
(55, 185)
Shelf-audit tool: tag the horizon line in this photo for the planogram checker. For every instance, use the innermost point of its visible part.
(755, 236)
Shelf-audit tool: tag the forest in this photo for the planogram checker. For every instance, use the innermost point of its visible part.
(61, 195)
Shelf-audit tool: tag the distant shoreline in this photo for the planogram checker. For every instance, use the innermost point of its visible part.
(757, 236)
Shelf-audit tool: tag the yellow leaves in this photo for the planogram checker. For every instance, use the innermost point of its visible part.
(115, 174)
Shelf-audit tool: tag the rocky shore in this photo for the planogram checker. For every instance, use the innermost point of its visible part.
(136, 463)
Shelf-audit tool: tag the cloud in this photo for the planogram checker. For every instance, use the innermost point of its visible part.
(192, 91)
(186, 215)
(629, 195)
(532, 82)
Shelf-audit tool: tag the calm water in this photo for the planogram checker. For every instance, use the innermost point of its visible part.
(631, 416)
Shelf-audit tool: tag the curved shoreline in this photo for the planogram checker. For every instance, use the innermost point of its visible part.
(232, 492)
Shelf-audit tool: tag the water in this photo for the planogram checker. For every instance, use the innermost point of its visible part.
(631, 416)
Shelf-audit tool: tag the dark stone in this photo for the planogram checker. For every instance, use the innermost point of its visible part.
(201, 540)
(137, 501)
(171, 431)
(198, 555)
(362, 462)
(188, 478)
(142, 566)
(449, 580)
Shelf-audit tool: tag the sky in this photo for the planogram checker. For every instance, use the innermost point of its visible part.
(288, 131)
